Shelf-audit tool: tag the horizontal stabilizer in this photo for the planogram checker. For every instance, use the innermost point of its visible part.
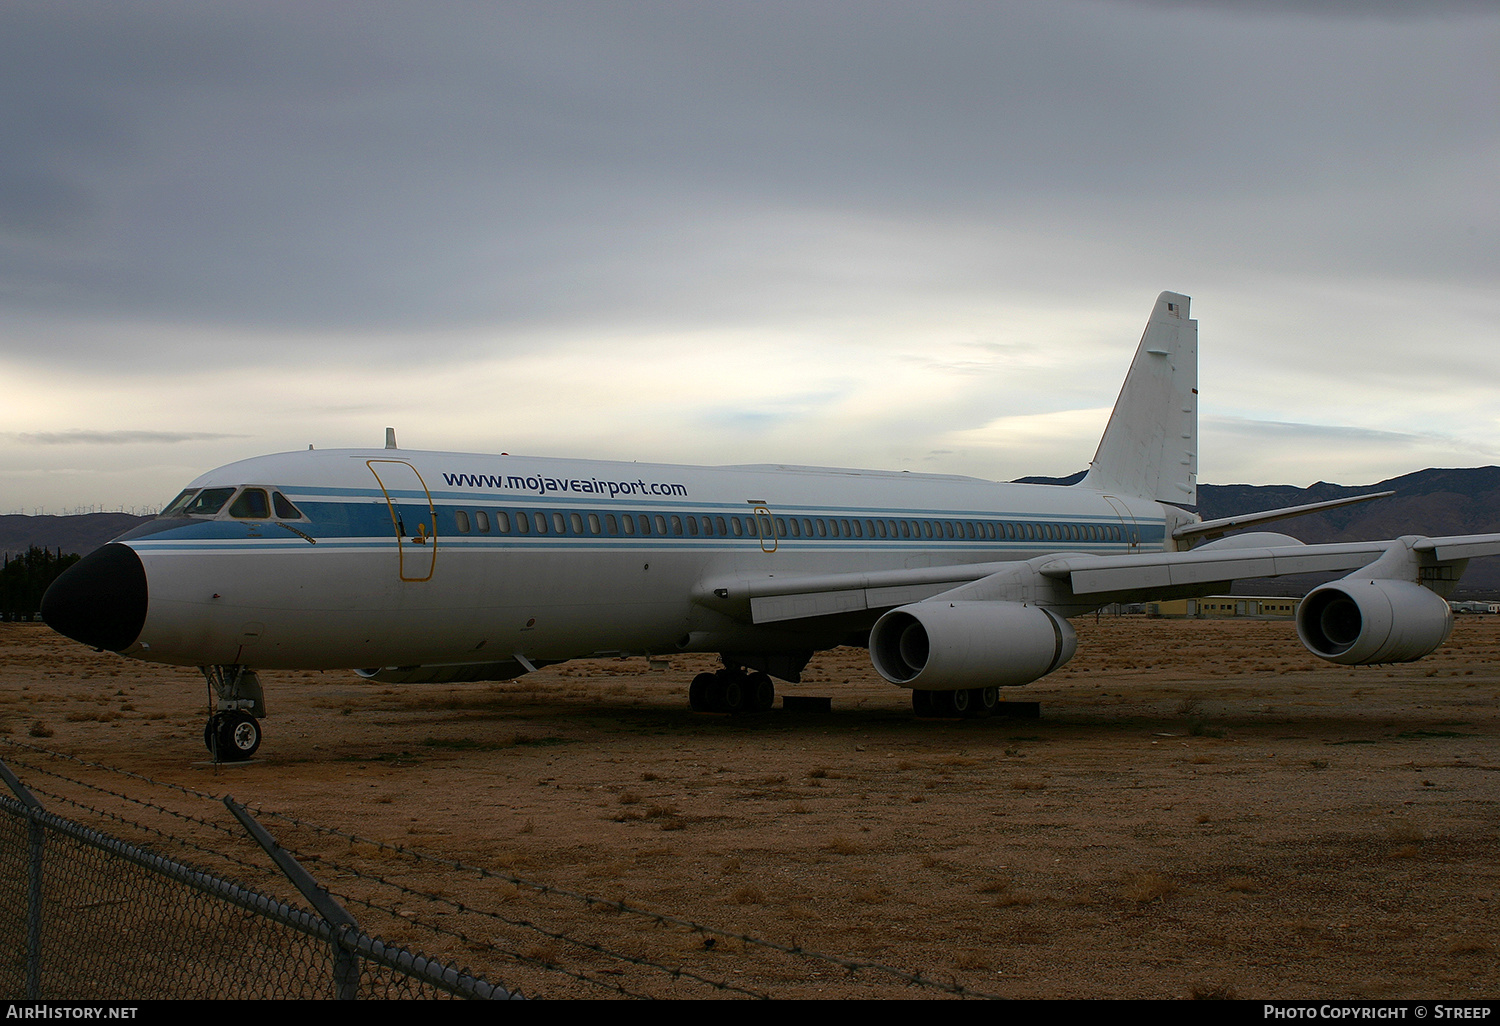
(1221, 526)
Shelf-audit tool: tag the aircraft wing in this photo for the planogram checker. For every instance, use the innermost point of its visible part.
(1092, 575)
(1066, 579)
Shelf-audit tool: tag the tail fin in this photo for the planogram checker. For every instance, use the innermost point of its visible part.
(1150, 448)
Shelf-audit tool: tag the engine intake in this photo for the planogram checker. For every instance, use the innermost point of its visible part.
(1368, 620)
(945, 646)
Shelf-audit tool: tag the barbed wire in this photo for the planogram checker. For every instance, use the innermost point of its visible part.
(852, 965)
(115, 817)
(674, 971)
(657, 918)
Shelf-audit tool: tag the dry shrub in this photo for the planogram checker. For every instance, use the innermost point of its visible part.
(841, 846)
(1468, 946)
(40, 729)
(1241, 885)
(607, 870)
(1143, 887)
(971, 958)
(747, 894)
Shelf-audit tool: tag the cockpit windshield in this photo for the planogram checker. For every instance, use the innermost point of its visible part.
(174, 508)
(251, 504)
(206, 503)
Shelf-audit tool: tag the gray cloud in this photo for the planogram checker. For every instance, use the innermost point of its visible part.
(396, 213)
(297, 169)
(118, 437)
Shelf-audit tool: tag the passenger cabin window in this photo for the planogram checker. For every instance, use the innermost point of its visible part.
(482, 521)
(502, 521)
(251, 505)
(462, 520)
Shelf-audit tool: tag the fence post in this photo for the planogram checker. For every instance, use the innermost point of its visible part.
(345, 961)
(34, 835)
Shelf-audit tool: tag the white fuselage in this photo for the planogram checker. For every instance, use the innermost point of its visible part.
(404, 558)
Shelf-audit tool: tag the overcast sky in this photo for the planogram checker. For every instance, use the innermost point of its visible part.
(915, 236)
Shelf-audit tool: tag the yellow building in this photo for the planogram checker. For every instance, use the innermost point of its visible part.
(1224, 606)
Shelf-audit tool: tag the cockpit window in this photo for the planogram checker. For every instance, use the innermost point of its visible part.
(284, 509)
(251, 505)
(174, 508)
(207, 502)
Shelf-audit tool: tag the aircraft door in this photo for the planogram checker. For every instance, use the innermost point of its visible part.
(1129, 531)
(413, 517)
(767, 529)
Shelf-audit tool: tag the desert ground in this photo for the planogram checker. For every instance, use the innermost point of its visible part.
(1202, 809)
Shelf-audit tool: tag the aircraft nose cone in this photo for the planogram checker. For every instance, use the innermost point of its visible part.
(100, 600)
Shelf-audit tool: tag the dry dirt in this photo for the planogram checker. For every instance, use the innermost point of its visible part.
(1202, 809)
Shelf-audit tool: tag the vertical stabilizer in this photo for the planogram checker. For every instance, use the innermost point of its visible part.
(1150, 447)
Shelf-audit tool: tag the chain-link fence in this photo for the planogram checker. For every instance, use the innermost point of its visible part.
(86, 915)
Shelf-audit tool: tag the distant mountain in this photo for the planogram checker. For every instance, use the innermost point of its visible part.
(1433, 502)
(82, 533)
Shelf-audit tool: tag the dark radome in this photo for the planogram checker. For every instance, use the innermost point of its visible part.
(100, 600)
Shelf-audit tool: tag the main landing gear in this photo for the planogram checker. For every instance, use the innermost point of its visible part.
(731, 690)
(232, 733)
(970, 703)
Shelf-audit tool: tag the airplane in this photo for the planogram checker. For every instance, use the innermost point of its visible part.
(410, 566)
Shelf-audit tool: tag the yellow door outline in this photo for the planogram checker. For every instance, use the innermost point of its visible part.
(767, 529)
(416, 547)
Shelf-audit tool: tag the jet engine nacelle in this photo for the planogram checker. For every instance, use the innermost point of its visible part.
(945, 646)
(1369, 620)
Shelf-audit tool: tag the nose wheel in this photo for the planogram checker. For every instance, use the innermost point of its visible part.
(232, 736)
(232, 733)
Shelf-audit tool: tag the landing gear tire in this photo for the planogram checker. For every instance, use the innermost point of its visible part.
(922, 703)
(235, 734)
(957, 703)
(731, 693)
(701, 692)
(982, 702)
(760, 692)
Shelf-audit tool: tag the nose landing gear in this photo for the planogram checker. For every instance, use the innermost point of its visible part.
(232, 733)
(232, 736)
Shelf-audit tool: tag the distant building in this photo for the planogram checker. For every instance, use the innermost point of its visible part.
(1213, 607)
